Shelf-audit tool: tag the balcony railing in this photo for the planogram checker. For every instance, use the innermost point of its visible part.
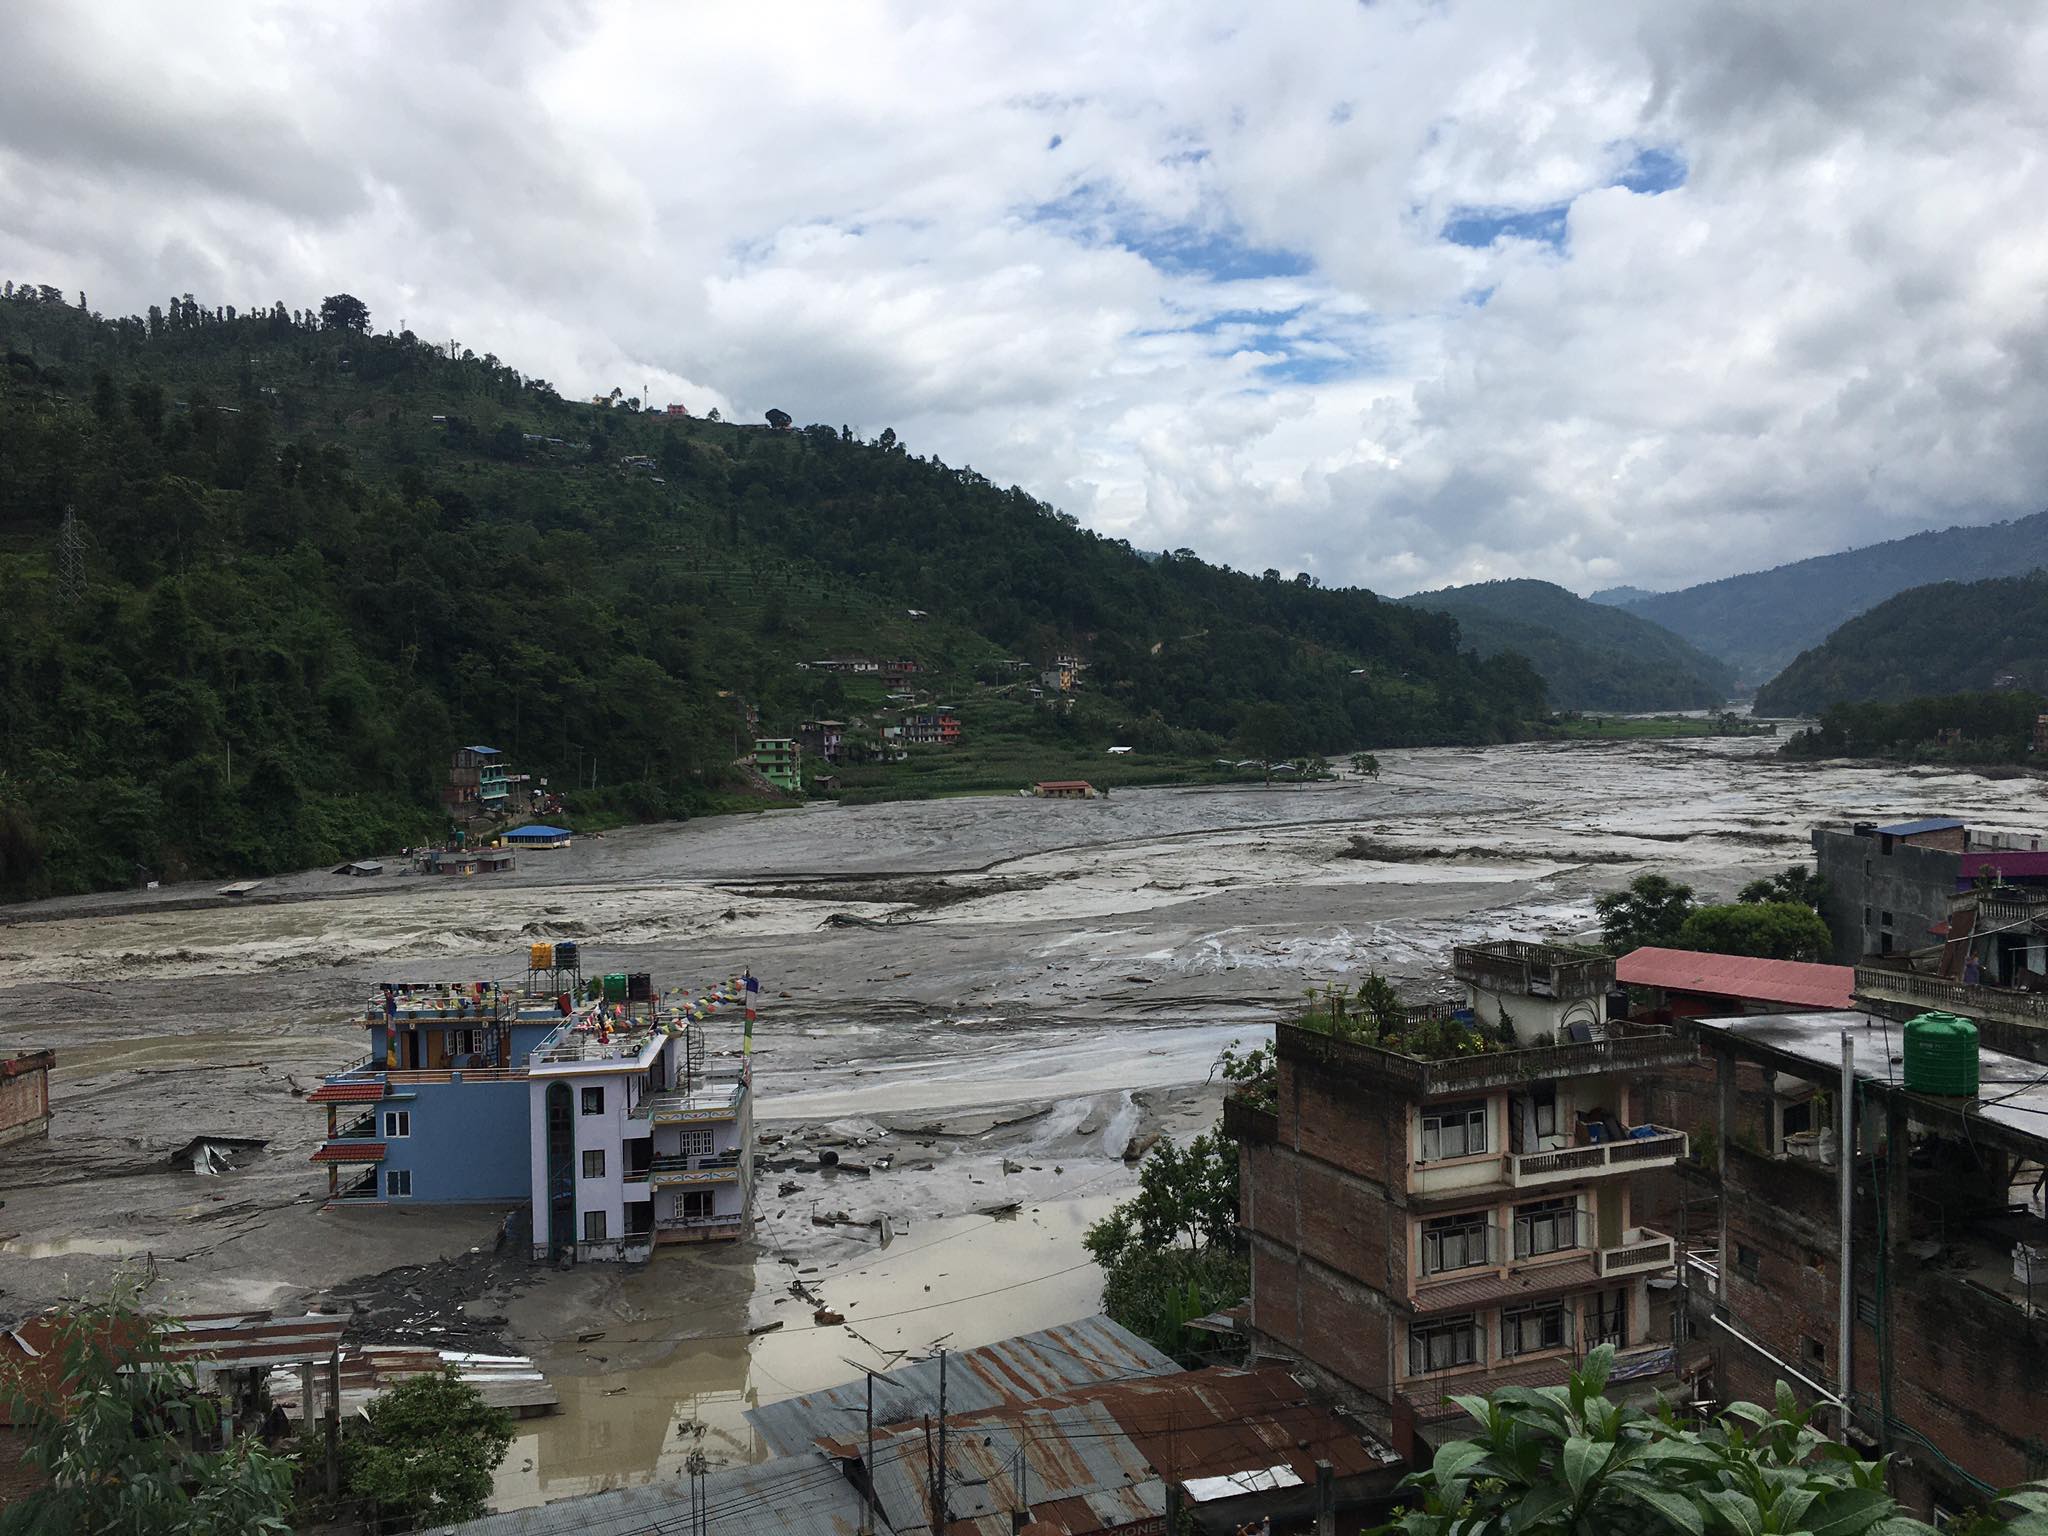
(1641, 1249)
(364, 1188)
(1569, 1164)
(694, 1163)
(1536, 970)
(363, 1129)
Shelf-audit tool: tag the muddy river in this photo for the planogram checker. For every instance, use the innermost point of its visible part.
(1049, 982)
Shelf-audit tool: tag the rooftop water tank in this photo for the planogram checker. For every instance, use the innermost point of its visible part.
(540, 957)
(1941, 1055)
(565, 954)
(615, 988)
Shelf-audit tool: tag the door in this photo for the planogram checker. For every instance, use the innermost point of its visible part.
(1610, 1215)
(561, 1168)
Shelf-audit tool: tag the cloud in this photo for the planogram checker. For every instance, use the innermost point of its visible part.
(1402, 294)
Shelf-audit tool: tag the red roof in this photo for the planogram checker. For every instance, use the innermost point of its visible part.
(1065, 784)
(350, 1152)
(1794, 983)
(346, 1093)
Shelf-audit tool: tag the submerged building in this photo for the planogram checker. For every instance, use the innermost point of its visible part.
(588, 1100)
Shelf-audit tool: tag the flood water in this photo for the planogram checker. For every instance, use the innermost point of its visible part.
(1051, 981)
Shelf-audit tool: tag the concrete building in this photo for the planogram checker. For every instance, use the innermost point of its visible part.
(935, 727)
(780, 760)
(478, 780)
(1065, 789)
(588, 1101)
(25, 1095)
(1946, 1312)
(1427, 1222)
(823, 739)
(1890, 888)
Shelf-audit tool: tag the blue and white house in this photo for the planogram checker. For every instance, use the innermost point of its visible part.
(591, 1104)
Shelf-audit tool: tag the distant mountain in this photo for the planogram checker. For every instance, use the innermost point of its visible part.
(1621, 597)
(1590, 656)
(1950, 637)
(1761, 621)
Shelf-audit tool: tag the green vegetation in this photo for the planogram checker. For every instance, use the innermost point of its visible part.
(1763, 620)
(1171, 1253)
(1967, 729)
(1580, 727)
(1945, 638)
(265, 569)
(1775, 918)
(1568, 1461)
(1591, 656)
(1375, 1015)
(110, 1436)
(427, 1453)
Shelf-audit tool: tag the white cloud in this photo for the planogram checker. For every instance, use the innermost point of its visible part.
(1180, 269)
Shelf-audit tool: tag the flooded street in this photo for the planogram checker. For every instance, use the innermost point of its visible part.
(1045, 986)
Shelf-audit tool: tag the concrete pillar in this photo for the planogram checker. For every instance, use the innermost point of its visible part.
(1326, 1500)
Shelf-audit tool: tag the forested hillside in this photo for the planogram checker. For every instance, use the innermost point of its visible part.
(1950, 637)
(1590, 656)
(1760, 622)
(1978, 729)
(302, 560)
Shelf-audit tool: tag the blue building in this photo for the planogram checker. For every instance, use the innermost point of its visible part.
(590, 1103)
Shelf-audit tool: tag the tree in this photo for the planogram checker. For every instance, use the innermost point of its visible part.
(1573, 1463)
(344, 312)
(1169, 1254)
(779, 419)
(1797, 883)
(1266, 731)
(429, 1450)
(1650, 911)
(1770, 930)
(110, 1434)
(1365, 765)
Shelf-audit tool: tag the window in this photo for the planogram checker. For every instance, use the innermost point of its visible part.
(397, 1124)
(1439, 1346)
(1524, 1330)
(1747, 1264)
(1866, 1309)
(1545, 1098)
(1453, 1130)
(1607, 1319)
(593, 1226)
(1455, 1242)
(695, 1143)
(397, 1183)
(593, 1101)
(593, 1164)
(1884, 919)
(1812, 1352)
(694, 1205)
(1546, 1226)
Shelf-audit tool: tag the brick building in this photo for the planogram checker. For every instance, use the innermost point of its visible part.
(1948, 1250)
(1890, 889)
(1424, 1227)
(25, 1095)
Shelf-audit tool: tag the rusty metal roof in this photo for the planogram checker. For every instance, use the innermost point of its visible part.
(1523, 1285)
(1794, 983)
(1019, 1370)
(790, 1496)
(1097, 1457)
(251, 1339)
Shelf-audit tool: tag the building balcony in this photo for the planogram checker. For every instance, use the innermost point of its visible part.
(699, 1229)
(1382, 1072)
(1647, 1146)
(713, 1101)
(363, 1129)
(363, 1188)
(691, 1172)
(1533, 970)
(1640, 1251)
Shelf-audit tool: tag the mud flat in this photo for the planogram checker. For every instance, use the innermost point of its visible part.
(959, 987)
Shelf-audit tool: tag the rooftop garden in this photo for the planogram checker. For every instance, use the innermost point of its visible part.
(1374, 1014)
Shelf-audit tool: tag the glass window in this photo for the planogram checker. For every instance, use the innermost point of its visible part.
(695, 1205)
(1546, 1226)
(1455, 1242)
(1453, 1130)
(593, 1164)
(397, 1124)
(398, 1182)
(1545, 1097)
(1524, 1330)
(1441, 1345)
(696, 1143)
(593, 1101)
(1607, 1319)
(593, 1226)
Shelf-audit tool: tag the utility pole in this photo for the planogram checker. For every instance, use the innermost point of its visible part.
(873, 1512)
(698, 1521)
(1845, 1161)
(945, 1512)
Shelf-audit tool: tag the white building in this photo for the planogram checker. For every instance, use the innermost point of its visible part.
(633, 1143)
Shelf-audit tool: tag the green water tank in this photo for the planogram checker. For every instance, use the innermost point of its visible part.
(615, 992)
(1941, 1055)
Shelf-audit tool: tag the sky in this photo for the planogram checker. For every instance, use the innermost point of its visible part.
(1399, 294)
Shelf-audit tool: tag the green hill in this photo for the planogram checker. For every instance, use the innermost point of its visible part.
(1947, 638)
(1591, 656)
(1759, 622)
(307, 559)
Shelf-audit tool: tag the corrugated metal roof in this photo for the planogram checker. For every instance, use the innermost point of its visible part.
(1019, 1370)
(1924, 824)
(254, 1339)
(1522, 1285)
(1797, 983)
(791, 1496)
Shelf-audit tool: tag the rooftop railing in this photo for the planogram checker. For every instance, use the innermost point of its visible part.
(1539, 970)
(1629, 1047)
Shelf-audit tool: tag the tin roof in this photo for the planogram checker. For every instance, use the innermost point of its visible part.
(1097, 1457)
(254, 1339)
(1795, 983)
(1018, 1370)
(1572, 1276)
(802, 1495)
(1924, 824)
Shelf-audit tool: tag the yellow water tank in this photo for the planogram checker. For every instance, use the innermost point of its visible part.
(540, 957)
